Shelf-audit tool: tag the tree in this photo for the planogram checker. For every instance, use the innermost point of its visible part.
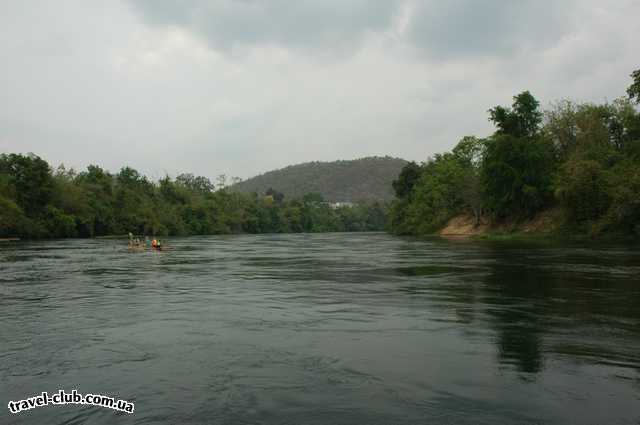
(469, 152)
(197, 184)
(516, 175)
(517, 166)
(560, 127)
(624, 212)
(174, 192)
(98, 188)
(130, 177)
(59, 224)
(436, 196)
(408, 177)
(521, 120)
(98, 177)
(70, 204)
(31, 177)
(604, 133)
(634, 89)
(11, 218)
(134, 203)
(471, 194)
(221, 181)
(583, 190)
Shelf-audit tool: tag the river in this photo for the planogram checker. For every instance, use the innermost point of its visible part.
(323, 329)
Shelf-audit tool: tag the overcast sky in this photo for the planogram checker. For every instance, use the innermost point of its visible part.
(246, 86)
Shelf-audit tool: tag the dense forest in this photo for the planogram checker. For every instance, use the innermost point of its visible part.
(365, 179)
(37, 201)
(581, 160)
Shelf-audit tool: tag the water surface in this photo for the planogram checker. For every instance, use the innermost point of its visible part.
(323, 329)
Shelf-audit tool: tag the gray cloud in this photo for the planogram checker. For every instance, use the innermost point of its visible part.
(442, 29)
(226, 24)
(463, 29)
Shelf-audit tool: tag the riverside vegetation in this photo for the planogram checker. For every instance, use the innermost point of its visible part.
(579, 163)
(39, 202)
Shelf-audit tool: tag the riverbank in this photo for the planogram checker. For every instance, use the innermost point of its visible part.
(545, 223)
(548, 225)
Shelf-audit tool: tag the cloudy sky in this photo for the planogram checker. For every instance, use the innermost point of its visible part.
(246, 86)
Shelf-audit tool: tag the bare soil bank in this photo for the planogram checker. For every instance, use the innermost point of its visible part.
(464, 225)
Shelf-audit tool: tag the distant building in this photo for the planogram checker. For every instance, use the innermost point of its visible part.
(335, 205)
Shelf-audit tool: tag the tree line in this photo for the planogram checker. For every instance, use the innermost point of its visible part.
(37, 201)
(581, 159)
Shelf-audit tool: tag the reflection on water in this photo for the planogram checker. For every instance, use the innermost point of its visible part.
(333, 328)
(518, 314)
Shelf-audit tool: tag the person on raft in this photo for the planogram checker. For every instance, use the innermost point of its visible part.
(137, 244)
(156, 244)
(134, 242)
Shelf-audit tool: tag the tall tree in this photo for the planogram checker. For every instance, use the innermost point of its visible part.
(406, 180)
(516, 175)
(521, 120)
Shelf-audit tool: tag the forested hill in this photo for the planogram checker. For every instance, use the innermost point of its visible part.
(364, 179)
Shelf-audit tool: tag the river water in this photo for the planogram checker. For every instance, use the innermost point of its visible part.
(323, 329)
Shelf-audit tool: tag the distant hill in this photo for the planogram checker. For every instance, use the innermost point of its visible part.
(365, 179)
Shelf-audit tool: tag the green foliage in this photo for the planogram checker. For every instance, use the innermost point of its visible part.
(408, 177)
(59, 224)
(437, 190)
(12, 219)
(470, 152)
(521, 120)
(30, 177)
(516, 176)
(95, 202)
(623, 214)
(603, 133)
(583, 190)
(193, 183)
(516, 165)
